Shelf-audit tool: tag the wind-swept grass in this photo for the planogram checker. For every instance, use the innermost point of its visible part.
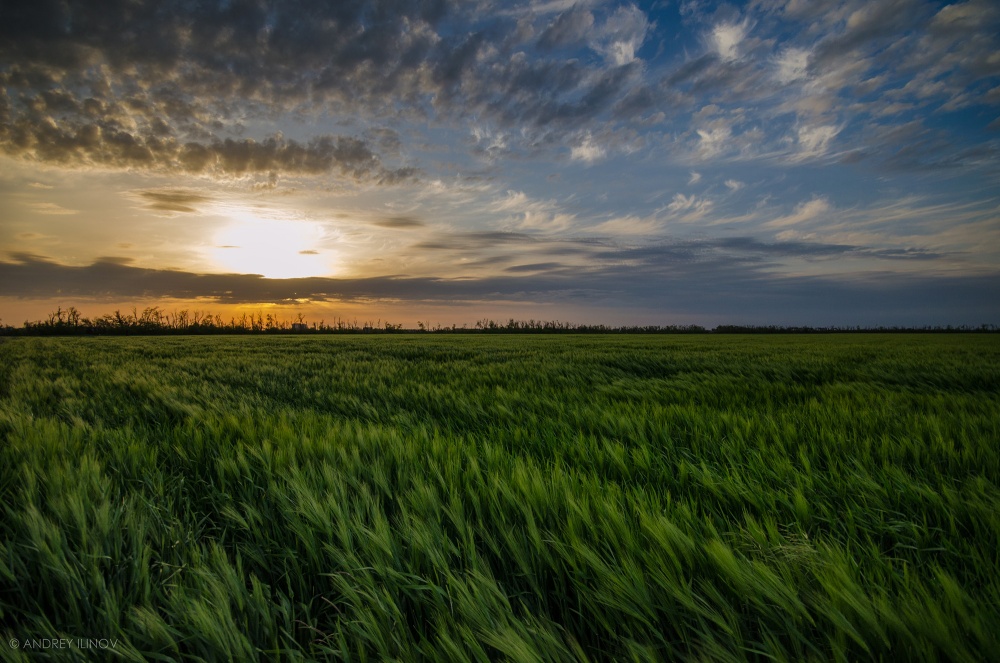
(521, 498)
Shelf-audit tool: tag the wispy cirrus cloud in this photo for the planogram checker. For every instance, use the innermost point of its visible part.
(51, 209)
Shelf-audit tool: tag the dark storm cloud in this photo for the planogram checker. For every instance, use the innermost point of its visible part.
(743, 293)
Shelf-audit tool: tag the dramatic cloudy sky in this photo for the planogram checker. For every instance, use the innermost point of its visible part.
(780, 161)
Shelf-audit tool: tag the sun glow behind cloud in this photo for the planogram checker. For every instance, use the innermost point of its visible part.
(273, 248)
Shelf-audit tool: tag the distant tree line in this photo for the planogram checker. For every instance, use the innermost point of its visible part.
(894, 329)
(155, 321)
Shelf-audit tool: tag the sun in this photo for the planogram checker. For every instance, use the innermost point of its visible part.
(273, 248)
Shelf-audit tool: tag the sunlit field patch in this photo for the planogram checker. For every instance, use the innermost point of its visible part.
(503, 498)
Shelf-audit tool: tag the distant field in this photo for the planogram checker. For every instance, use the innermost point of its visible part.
(504, 497)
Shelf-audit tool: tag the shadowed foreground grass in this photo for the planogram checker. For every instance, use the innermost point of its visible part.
(513, 498)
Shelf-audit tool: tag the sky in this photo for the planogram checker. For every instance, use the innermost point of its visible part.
(790, 162)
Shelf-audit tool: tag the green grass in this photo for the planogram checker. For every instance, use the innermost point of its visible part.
(502, 498)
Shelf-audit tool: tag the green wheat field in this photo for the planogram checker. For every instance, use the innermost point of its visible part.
(522, 498)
